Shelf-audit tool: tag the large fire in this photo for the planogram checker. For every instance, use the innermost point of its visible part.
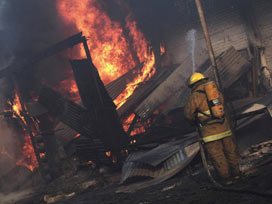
(110, 48)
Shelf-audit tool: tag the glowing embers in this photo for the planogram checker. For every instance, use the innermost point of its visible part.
(77, 136)
(138, 127)
(162, 49)
(108, 154)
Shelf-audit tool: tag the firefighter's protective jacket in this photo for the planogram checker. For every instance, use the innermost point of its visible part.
(197, 106)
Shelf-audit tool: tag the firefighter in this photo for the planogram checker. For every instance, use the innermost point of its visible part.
(205, 108)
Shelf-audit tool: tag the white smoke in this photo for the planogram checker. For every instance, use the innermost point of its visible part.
(191, 39)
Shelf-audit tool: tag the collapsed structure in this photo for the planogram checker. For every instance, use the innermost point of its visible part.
(90, 129)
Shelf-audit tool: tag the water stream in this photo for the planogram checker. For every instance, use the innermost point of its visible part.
(191, 39)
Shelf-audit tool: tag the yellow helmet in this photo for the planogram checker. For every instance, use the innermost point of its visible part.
(196, 77)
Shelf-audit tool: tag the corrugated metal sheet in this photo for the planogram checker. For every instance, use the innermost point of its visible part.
(99, 104)
(91, 150)
(231, 64)
(162, 152)
(77, 118)
(144, 90)
(64, 133)
(91, 89)
(116, 87)
(67, 111)
(170, 166)
(171, 86)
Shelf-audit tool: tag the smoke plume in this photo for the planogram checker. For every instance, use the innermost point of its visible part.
(30, 27)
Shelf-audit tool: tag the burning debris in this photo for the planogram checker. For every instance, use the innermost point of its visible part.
(113, 114)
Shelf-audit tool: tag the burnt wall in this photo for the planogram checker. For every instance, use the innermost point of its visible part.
(170, 21)
(263, 13)
(226, 29)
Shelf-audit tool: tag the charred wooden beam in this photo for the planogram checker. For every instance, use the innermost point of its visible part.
(46, 128)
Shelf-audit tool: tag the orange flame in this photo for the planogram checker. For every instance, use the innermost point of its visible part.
(28, 159)
(162, 48)
(145, 75)
(110, 48)
(108, 154)
(136, 130)
(68, 88)
(77, 136)
(17, 107)
(127, 121)
(108, 45)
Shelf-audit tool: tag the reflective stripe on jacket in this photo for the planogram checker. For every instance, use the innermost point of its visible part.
(205, 114)
(218, 136)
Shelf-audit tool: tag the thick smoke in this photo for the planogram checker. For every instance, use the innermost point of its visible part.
(26, 28)
(30, 26)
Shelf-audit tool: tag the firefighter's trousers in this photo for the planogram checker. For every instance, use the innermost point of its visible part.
(224, 157)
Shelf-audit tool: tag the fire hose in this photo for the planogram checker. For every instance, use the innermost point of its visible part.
(218, 186)
(204, 161)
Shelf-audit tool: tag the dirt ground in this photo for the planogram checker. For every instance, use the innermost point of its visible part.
(183, 188)
(192, 184)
